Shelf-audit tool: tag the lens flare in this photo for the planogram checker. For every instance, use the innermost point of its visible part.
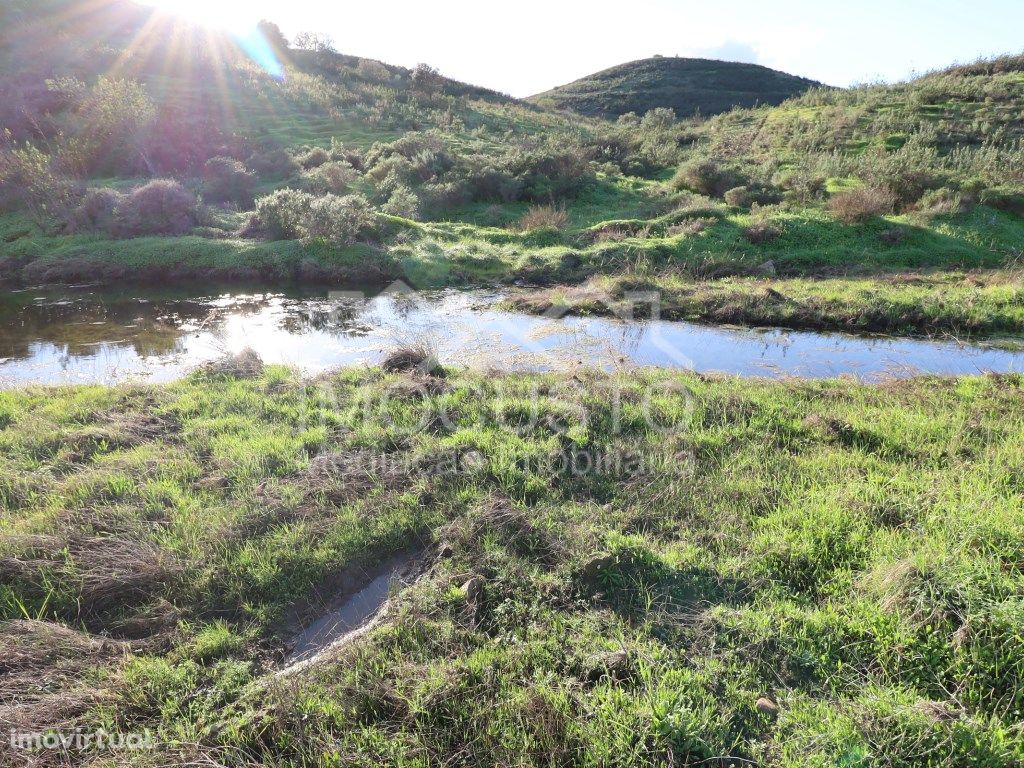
(235, 17)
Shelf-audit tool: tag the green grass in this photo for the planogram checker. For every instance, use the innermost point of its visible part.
(982, 303)
(850, 553)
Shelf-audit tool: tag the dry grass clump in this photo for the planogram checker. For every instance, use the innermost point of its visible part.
(247, 364)
(544, 217)
(860, 205)
(42, 669)
(413, 357)
(101, 573)
(692, 226)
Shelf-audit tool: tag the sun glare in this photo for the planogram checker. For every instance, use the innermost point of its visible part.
(230, 15)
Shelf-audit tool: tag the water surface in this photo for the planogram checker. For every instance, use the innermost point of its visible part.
(88, 335)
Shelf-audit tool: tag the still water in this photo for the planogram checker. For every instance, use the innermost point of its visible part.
(67, 335)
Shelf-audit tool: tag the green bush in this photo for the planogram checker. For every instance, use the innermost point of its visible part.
(281, 214)
(161, 207)
(334, 178)
(340, 220)
(706, 177)
(273, 163)
(226, 180)
(95, 212)
(289, 214)
(403, 202)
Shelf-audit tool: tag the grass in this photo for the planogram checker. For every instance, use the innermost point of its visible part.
(785, 573)
(984, 303)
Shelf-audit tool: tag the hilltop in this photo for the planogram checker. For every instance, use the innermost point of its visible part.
(688, 86)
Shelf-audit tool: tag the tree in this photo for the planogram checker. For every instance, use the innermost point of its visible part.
(274, 36)
(426, 79)
(314, 41)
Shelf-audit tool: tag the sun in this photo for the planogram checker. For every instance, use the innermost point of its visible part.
(230, 15)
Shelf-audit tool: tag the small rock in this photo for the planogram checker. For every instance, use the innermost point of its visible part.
(767, 706)
(615, 665)
(596, 565)
(766, 269)
(473, 589)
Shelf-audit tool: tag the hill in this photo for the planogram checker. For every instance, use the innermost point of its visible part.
(689, 86)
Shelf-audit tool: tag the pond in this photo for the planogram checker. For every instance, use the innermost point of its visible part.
(87, 335)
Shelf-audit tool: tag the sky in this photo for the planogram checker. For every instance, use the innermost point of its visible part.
(530, 46)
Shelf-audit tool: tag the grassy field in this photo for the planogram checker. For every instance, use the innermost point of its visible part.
(647, 569)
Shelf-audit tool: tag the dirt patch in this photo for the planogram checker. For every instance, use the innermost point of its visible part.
(359, 598)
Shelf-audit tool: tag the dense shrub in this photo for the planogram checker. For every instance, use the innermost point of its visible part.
(161, 207)
(706, 177)
(745, 197)
(289, 214)
(28, 179)
(403, 202)
(95, 212)
(226, 180)
(858, 205)
(334, 178)
(273, 163)
(314, 158)
(942, 202)
(761, 232)
(340, 220)
(281, 214)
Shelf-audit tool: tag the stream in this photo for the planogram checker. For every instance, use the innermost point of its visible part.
(88, 335)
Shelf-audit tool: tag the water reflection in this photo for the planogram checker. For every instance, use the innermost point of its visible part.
(82, 335)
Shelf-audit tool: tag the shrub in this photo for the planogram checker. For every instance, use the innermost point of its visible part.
(273, 162)
(161, 207)
(745, 197)
(28, 178)
(225, 180)
(281, 214)
(544, 217)
(706, 177)
(316, 157)
(332, 178)
(95, 212)
(859, 205)
(340, 220)
(404, 203)
(761, 232)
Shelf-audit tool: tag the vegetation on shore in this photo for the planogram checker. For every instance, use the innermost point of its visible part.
(346, 168)
(959, 304)
(725, 571)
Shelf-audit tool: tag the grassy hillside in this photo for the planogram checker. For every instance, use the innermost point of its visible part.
(687, 86)
(336, 168)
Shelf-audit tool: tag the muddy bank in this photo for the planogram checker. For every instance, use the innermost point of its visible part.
(352, 604)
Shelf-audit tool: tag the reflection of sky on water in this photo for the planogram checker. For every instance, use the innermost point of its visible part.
(82, 336)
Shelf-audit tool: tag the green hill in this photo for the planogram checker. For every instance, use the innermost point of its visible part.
(689, 86)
